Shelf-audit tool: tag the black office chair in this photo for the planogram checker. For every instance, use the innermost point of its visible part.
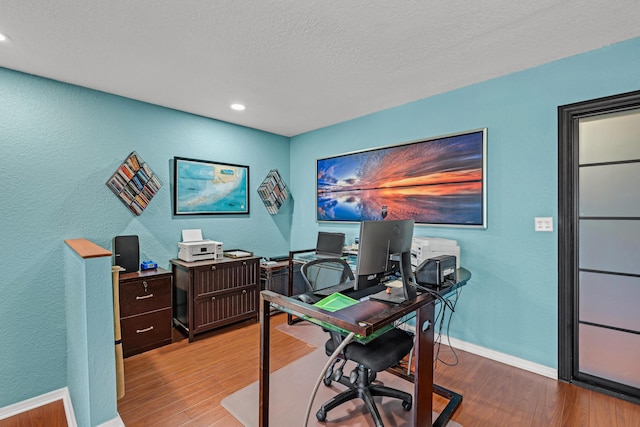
(376, 356)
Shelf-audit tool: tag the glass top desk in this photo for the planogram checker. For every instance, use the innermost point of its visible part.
(366, 319)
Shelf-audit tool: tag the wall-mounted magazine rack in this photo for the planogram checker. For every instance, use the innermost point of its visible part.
(134, 183)
(273, 191)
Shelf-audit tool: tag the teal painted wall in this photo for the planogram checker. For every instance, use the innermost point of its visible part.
(91, 370)
(77, 369)
(58, 145)
(511, 303)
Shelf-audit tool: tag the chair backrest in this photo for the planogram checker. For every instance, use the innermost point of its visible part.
(325, 272)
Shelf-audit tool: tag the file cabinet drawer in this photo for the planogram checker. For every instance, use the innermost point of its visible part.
(145, 310)
(146, 331)
(225, 307)
(143, 295)
(208, 280)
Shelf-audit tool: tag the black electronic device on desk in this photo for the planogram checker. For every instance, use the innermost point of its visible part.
(328, 245)
(306, 298)
(384, 250)
(277, 258)
(437, 272)
(126, 253)
(340, 287)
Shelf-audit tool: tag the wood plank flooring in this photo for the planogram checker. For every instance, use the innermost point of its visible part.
(495, 394)
(181, 385)
(49, 415)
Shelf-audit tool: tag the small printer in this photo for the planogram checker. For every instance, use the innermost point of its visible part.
(437, 272)
(194, 248)
(423, 248)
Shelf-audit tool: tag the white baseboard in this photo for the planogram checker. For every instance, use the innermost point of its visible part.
(44, 399)
(116, 422)
(504, 358)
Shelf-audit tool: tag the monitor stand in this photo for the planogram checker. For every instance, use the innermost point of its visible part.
(395, 296)
(407, 291)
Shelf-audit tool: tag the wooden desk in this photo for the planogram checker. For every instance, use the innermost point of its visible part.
(276, 277)
(290, 288)
(365, 319)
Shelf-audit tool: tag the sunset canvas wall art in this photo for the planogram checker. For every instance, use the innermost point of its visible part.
(438, 181)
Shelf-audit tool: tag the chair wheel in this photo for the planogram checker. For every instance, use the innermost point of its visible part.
(321, 415)
(328, 375)
(406, 405)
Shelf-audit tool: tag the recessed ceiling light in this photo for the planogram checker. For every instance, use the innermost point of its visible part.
(238, 107)
(3, 37)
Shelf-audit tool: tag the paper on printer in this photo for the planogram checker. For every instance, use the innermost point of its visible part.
(194, 248)
(423, 248)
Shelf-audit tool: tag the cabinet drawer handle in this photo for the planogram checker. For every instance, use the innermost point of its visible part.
(213, 267)
(141, 331)
(213, 298)
(244, 262)
(244, 291)
(145, 296)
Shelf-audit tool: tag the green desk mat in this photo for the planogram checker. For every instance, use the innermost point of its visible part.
(338, 301)
(335, 302)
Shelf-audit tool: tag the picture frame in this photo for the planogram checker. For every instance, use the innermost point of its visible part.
(203, 187)
(440, 181)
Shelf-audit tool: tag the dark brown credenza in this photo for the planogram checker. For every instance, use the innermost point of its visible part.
(213, 293)
(145, 310)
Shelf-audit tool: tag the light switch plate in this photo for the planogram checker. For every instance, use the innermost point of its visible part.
(543, 223)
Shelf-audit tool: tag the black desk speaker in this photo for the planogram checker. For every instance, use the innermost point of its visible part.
(126, 253)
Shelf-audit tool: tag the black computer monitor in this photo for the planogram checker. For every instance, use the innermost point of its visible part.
(385, 248)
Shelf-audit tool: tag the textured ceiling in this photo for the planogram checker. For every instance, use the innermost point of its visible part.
(297, 65)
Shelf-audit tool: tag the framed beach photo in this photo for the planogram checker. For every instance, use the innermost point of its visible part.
(203, 187)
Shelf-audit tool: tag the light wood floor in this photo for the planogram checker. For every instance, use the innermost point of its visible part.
(182, 385)
(49, 415)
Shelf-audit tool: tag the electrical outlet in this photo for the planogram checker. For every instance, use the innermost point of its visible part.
(543, 223)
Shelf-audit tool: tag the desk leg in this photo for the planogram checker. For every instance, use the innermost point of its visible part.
(265, 331)
(290, 286)
(423, 377)
(454, 401)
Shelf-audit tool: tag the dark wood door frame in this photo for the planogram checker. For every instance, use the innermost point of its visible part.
(568, 116)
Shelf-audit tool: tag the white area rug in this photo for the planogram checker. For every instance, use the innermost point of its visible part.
(292, 385)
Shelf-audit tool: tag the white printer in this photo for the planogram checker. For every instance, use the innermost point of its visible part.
(423, 248)
(194, 248)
